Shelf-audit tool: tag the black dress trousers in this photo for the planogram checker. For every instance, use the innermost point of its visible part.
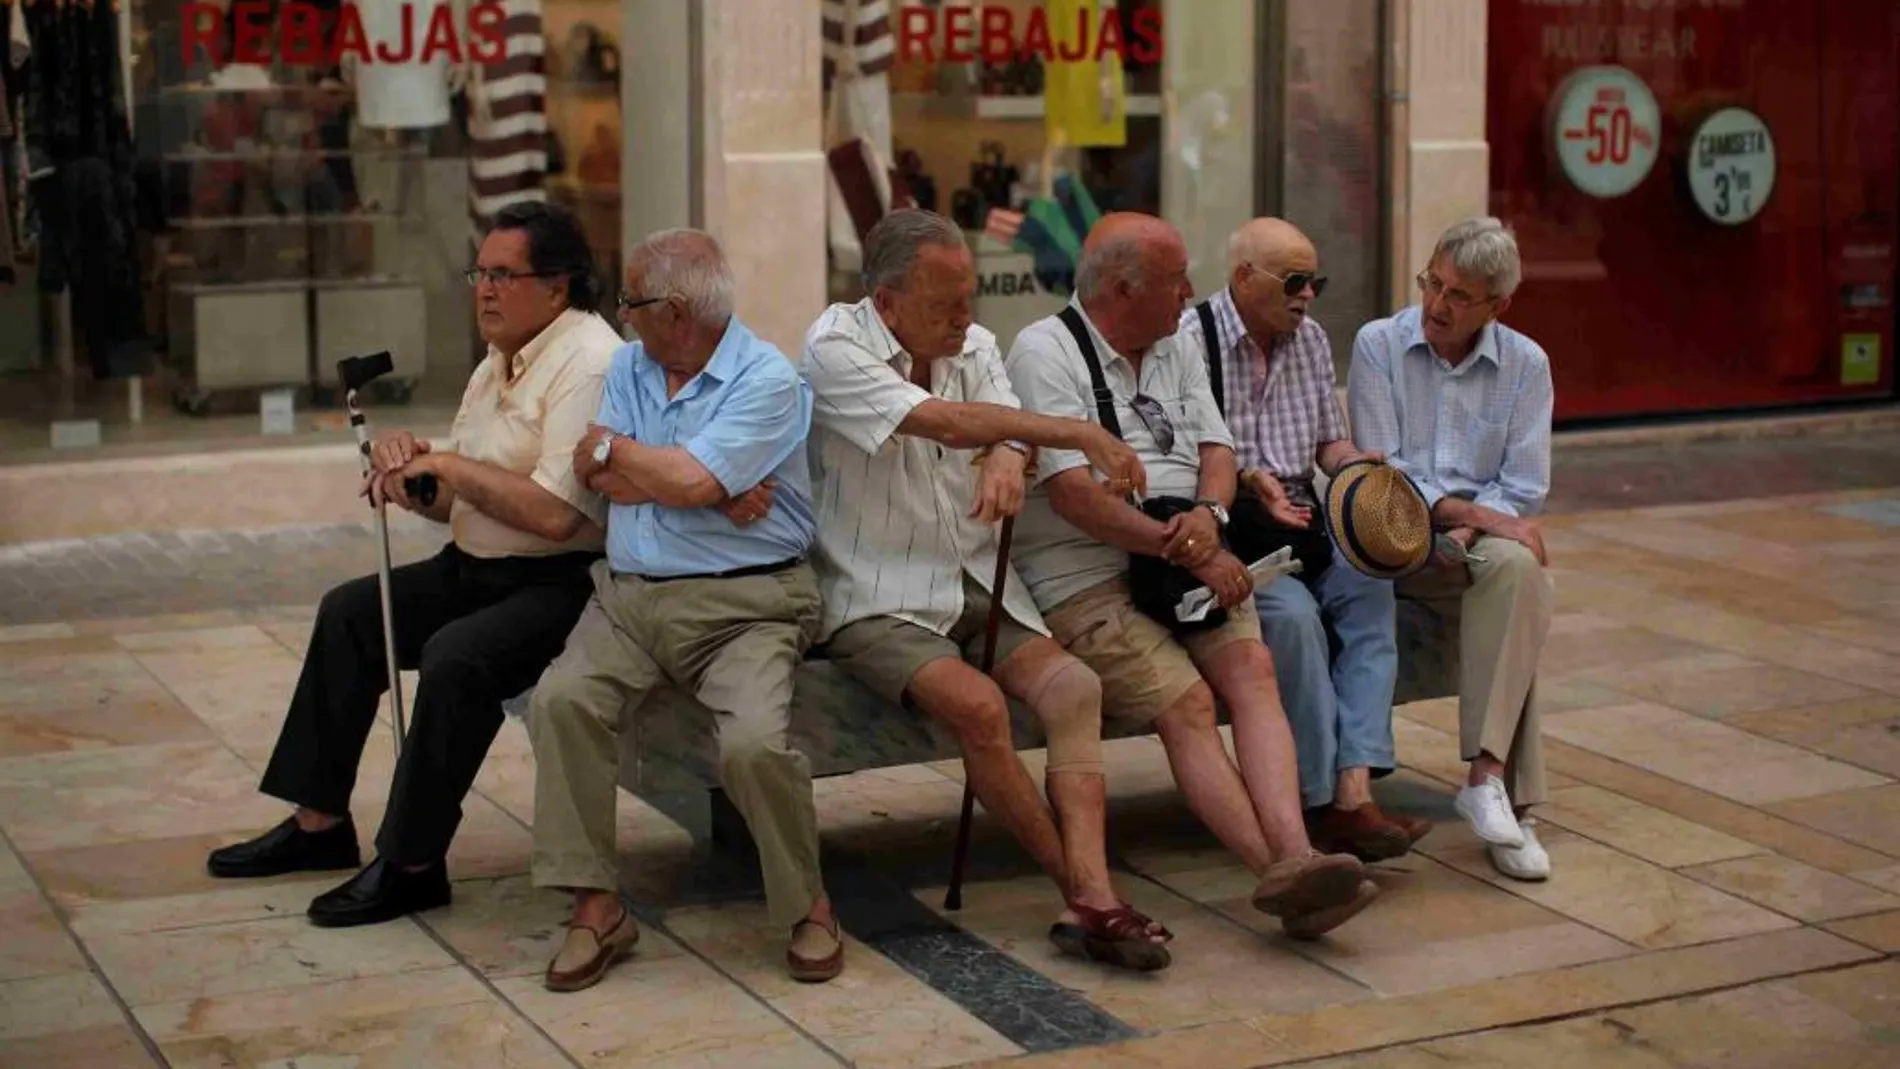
(478, 630)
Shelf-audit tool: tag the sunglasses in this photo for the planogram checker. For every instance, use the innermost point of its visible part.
(1155, 418)
(1298, 281)
(501, 276)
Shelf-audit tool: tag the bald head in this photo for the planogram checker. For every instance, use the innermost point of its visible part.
(1120, 249)
(1265, 258)
(1267, 243)
(1132, 279)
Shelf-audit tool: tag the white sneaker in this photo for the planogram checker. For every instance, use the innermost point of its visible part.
(1527, 862)
(1487, 808)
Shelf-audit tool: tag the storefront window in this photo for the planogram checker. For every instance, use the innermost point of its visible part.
(974, 111)
(217, 201)
(1705, 197)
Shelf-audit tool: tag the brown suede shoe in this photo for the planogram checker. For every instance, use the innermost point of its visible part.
(586, 955)
(1365, 833)
(1319, 922)
(816, 953)
(1298, 885)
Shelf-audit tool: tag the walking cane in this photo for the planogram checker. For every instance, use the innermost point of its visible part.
(953, 898)
(355, 373)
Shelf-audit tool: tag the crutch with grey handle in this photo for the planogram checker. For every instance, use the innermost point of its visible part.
(356, 372)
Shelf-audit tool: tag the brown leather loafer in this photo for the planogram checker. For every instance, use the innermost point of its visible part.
(816, 953)
(1365, 833)
(1415, 828)
(586, 955)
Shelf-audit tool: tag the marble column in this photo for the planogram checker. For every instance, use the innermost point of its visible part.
(1441, 159)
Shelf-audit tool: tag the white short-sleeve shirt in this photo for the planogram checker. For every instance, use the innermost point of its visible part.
(894, 532)
(1046, 368)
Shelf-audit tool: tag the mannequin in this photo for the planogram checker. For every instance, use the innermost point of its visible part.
(507, 118)
(404, 100)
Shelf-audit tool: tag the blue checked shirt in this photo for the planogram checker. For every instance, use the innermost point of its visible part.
(1479, 431)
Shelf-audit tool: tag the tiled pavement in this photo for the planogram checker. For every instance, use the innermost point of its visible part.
(1725, 828)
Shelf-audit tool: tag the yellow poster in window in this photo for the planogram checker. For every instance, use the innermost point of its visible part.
(1084, 100)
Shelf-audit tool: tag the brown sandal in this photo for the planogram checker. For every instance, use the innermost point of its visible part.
(1117, 937)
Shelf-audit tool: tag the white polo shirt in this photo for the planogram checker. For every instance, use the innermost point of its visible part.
(894, 531)
(1046, 368)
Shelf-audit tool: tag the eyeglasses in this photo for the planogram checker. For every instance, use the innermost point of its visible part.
(1294, 283)
(1155, 418)
(1431, 286)
(501, 276)
(627, 302)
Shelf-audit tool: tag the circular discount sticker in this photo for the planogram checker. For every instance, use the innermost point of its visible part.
(1731, 165)
(1606, 129)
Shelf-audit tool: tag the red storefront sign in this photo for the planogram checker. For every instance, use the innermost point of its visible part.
(1706, 194)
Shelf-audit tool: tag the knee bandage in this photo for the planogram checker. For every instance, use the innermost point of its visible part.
(1068, 701)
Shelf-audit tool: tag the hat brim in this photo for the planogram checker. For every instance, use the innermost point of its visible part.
(1339, 496)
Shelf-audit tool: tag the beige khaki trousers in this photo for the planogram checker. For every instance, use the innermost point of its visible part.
(733, 644)
(1503, 608)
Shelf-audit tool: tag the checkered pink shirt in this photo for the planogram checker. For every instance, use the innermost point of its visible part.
(1279, 410)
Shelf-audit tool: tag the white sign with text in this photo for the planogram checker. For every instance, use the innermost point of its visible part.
(1731, 166)
(1606, 129)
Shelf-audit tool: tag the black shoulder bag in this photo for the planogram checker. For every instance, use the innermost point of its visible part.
(1155, 585)
(1252, 532)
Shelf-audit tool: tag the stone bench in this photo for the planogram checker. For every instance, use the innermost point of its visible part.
(669, 754)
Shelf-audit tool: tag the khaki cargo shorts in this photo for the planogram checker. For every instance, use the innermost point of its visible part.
(1144, 668)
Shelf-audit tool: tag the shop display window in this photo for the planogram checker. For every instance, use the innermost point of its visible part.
(1705, 195)
(1026, 120)
(280, 183)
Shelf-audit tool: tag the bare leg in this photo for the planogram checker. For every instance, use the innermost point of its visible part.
(1208, 778)
(971, 706)
(1067, 697)
(1242, 674)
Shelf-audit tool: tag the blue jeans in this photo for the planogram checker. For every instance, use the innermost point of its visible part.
(1340, 707)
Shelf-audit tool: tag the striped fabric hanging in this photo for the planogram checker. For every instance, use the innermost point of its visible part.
(873, 48)
(508, 161)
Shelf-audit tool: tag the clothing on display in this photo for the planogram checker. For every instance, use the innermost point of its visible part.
(79, 147)
(508, 122)
(409, 95)
(866, 24)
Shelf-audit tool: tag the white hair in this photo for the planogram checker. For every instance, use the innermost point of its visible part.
(1483, 247)
(690, 265)
(891, 248)
(1118, 259)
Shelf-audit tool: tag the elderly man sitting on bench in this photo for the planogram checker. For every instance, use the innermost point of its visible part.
(920, 446)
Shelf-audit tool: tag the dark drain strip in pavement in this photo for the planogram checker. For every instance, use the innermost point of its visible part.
(1021, 1004)
(875, 905)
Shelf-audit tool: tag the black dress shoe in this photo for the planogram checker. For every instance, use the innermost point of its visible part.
(381, 892)
(288, 848)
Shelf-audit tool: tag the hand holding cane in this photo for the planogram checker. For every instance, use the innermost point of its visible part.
(953, 898)
(355, 372)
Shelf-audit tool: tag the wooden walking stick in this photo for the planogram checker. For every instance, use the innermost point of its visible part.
(953, 898)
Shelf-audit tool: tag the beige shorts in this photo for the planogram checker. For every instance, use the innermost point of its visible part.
(1144, 668)
(885, 652)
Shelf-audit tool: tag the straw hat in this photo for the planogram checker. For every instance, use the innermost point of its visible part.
(1379, 520)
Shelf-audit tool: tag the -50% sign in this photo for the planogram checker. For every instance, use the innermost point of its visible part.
(1606, 130)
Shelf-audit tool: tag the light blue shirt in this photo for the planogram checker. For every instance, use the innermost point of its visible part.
(745, 416)
(1480, 430)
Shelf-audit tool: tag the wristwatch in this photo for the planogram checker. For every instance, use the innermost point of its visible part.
(604, 448)
(1219, 510)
